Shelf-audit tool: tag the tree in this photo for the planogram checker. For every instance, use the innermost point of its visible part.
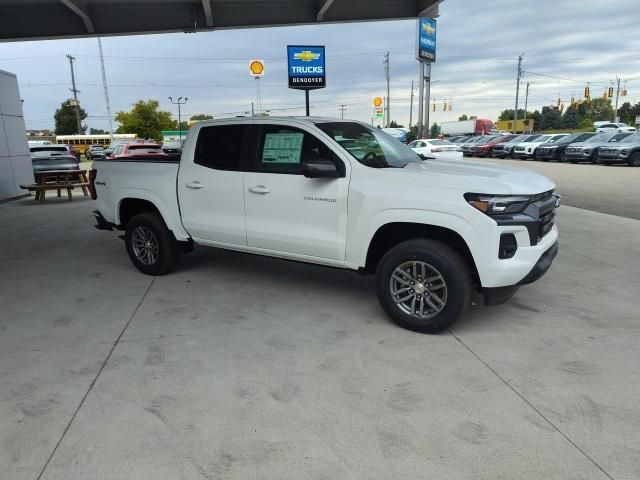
(145, 119)
(201, 116)
(570, 119)
(434, 131)
(624, 112)
(65, 118)
(600, 109)
(508, 114)
(463, 117)
(551, 118)
(395, 124)
(96, 131)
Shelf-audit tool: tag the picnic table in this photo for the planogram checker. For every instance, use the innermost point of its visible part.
(58, 180)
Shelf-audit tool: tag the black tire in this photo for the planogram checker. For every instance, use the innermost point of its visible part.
(634, 159)
(167, 249)
(443, 261)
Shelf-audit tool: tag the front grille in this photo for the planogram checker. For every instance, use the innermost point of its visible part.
(547, 214)
(573, 150)
(519, 149)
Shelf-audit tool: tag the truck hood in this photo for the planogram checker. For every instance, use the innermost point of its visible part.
(479, 177)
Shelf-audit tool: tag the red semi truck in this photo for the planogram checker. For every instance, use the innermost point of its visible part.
(475, 126)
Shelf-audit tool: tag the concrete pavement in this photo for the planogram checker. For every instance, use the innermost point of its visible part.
(243, 367)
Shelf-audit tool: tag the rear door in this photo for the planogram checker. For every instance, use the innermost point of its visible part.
(286, 211)
(210, 185)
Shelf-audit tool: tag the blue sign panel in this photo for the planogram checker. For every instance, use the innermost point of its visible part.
(426, 40)
(306, 67)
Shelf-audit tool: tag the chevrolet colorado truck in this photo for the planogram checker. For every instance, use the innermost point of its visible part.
(436, 234)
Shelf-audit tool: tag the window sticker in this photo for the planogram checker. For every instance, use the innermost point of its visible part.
(282, 148)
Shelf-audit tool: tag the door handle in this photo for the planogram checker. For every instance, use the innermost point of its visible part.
(261, 189)
(195, 184)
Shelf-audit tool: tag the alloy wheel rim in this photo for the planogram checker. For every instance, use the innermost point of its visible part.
(418, 289)
(145, 245)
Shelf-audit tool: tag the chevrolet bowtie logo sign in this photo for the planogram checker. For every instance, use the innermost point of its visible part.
(428, 28)
(306, 56)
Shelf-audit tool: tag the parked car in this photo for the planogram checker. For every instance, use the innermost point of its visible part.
(484, 149)
(173, 149)
(433, 148)
(555, 150)
(528, 149)
(94, 152)
(433, 232)
(138, 150)
(504, 149)
(52, 157)
(627, 150)
(615, 128)
(401, 134)
(587, 151)
(467, 147)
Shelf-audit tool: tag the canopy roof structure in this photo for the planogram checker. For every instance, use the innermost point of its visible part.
(51, 19)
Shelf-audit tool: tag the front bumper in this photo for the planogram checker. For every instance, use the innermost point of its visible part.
(499, 295)
(613, 156)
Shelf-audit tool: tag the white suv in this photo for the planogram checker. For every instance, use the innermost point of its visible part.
(615, 128)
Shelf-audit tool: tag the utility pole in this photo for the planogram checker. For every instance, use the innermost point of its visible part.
(388, 104)
(106, 91)
(411, 107)
(515, 113)
(526, 103)
(179, 102)
(615, 115)
(427, 96)
(421, 102)
(75, 94)
(342, 107)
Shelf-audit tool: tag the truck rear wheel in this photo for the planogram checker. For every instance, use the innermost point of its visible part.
(150, 245)
(423, 285)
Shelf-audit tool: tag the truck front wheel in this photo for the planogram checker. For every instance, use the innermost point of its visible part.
(150, 245)
(423, 285)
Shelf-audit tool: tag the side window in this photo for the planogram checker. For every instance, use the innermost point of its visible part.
(283, 149)
(220, 147)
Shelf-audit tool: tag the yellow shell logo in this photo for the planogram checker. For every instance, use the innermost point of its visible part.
(377, 102)
(256, 67)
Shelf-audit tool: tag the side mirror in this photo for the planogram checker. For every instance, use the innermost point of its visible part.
(320, 170)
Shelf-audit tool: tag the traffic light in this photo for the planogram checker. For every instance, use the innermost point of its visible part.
(623, 93)
(587, 95)
(444, 107)
(610, 92)
(434, 107)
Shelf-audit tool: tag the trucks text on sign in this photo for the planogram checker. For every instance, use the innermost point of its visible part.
(426, 40)
(306, 67)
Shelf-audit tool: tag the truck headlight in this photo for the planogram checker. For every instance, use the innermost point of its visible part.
(497, 204)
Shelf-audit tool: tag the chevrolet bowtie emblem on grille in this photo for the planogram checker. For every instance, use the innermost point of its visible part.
(306, 56)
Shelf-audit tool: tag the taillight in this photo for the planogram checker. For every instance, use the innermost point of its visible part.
(92, 183)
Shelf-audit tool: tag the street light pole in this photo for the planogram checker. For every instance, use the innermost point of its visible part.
(179, 102)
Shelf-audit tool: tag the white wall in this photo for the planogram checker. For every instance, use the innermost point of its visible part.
(15, 161)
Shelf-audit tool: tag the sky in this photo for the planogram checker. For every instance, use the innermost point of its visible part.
(567, 45)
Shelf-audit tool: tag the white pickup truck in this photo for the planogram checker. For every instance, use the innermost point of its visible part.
(342, 194)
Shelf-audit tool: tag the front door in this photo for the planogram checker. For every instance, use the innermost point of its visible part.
(211, 188)
(287, 212)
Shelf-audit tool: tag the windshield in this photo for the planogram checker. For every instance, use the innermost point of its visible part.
(620, 137)
(569, 138)
(531, 138)
(439, 142)
(600, 137)
(370, 146)
(555, 138)
(631, 138)
(543, 138)
(49, 149)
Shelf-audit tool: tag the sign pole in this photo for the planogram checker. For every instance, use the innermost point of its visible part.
(421, 100)
(306, 100)
(427, 96)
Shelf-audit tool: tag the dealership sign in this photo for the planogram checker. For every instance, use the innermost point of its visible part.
(426, 51)
(306, 67)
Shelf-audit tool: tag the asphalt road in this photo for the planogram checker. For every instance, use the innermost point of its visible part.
(608, 189)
